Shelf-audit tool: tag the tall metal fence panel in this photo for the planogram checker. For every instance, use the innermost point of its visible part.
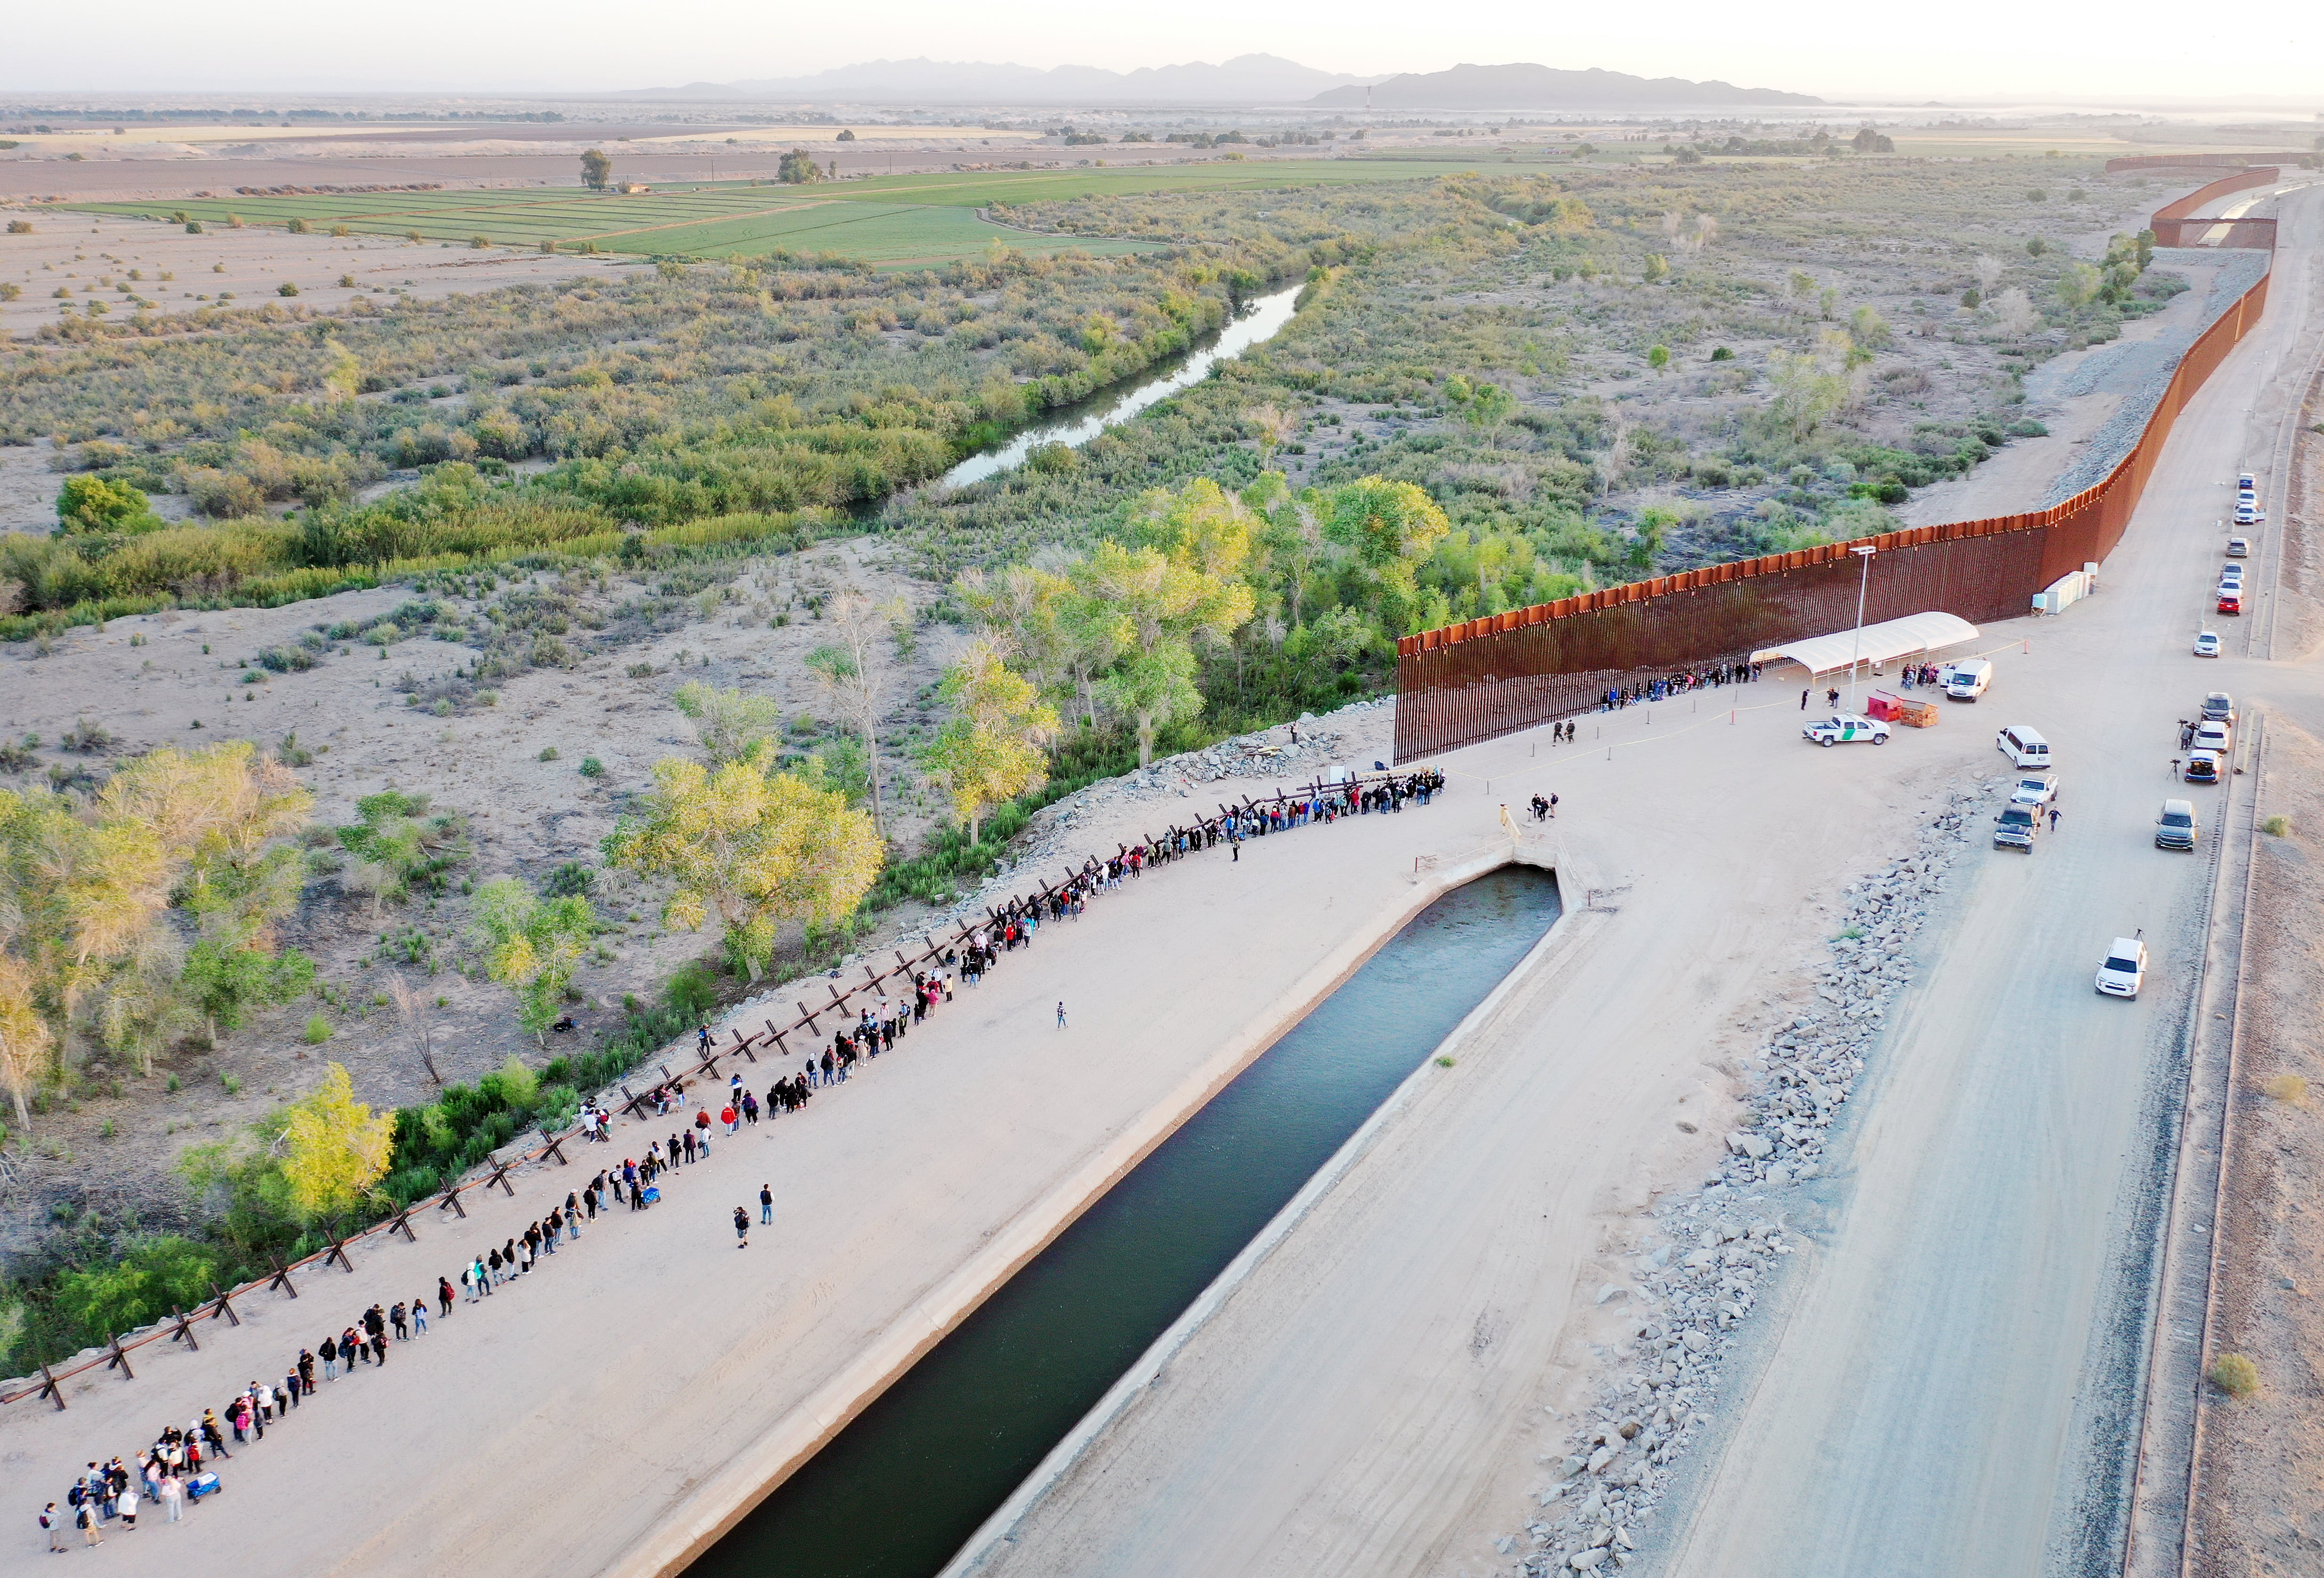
(1494, 676)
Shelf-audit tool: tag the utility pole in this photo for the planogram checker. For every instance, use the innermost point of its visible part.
(1863, 580)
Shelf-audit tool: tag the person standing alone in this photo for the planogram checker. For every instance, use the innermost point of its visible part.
(741, 1228)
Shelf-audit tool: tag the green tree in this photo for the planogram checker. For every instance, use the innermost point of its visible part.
(92, 505)
(1390, 526)
(797, 167)
(1150, 607)
(754, 846)
(990, 749)
(224, 980)
(145, 1282)
(534, 946)
(2077, 286)
(333, 1149)
(596, 170)
(733, 726)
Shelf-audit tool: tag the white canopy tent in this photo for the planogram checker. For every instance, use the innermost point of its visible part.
(1911, 636)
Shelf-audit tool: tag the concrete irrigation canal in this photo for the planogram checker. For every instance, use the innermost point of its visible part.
(896, 1493)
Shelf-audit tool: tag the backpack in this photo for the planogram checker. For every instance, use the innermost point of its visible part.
(72, 1497)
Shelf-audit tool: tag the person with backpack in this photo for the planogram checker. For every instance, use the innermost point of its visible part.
(741, 1228)
(87, 1519)
(54, 1522)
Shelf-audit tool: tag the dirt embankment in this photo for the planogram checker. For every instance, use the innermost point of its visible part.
(513, 770)
(2259, 1506)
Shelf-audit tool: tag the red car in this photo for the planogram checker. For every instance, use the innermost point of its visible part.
(2230, 601)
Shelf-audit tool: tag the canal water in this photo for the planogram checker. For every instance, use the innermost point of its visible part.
(1262, 318)
(904, 1486)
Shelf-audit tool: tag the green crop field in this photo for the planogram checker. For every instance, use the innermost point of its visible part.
(892, 221)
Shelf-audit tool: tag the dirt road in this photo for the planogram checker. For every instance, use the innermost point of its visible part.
(1945, 1381)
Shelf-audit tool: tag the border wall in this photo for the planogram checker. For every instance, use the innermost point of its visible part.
(1494, 676)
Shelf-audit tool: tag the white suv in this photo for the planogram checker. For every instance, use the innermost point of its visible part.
(2124, 971)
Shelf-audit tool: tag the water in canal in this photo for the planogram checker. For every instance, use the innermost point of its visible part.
(901, 1489)
(1261, 318)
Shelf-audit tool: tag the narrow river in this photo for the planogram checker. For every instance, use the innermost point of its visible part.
(1261, 318)
(899, 1491)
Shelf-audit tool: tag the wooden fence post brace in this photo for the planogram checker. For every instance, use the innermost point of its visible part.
(223, 1308)
(743, 1045)
(783, 1047)
(119, 1358)
(555, 1148)
(282, 1277)
(403, 1224)
(185, 1332)
(629, 1105)
(339, 1253)
(451, 1201)
(51, 1389)
(499, 1177)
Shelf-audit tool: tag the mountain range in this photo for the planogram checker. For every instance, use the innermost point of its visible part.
(1528, 86)
(1247, 80)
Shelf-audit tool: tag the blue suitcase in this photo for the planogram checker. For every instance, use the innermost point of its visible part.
(653, 1196)
(202, 1485)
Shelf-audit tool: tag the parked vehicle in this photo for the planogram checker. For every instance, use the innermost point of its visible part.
(2231, 600)
(1966, 679)
(2016, 827)
(2023, 747)
(2207, 643)
(2238, 546)
(2175, 827)
(2213, 735)
(1842, 727)
(2202, 767)
(2249, 512)
(2124, 970)
(2220, 708)
(2231, 574)
(2040, 789)
(2246, 482)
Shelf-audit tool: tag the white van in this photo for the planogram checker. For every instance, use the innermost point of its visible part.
(2023, 747)
(1966, 679)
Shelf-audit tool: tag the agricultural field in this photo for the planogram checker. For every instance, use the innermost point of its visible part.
(892, 221)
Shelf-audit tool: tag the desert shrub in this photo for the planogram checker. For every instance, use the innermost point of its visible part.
(2287, 1088)
(2234, 1375)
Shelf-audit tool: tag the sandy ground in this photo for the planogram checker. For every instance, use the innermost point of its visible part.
(1949, 1366)
(92, 256)
(524, 815)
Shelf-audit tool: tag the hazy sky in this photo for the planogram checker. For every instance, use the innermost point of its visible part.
(2027, 49)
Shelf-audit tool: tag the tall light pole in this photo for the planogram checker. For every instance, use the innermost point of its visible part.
(1863, 580)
